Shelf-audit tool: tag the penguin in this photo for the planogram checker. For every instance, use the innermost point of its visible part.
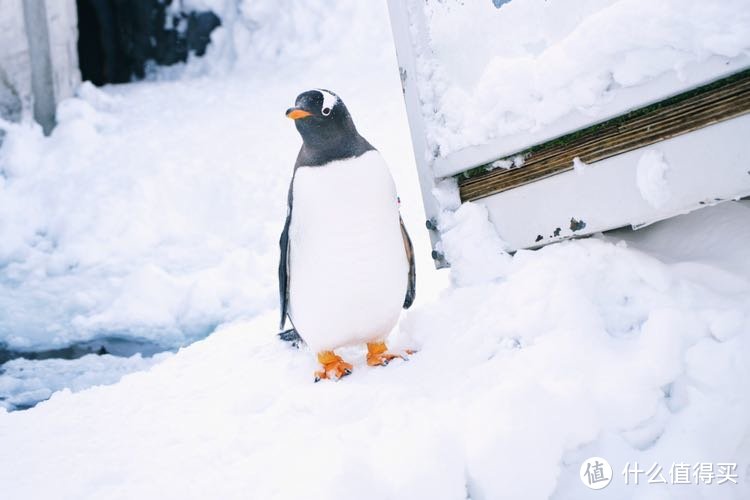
(346, 267)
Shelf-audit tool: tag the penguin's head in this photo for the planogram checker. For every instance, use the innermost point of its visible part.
(322, 119)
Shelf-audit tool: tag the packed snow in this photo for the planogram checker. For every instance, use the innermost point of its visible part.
(651, 178)
(538, 67)
(470, 222)
(153, 213)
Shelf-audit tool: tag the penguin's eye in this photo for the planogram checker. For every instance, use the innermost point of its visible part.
(326, 111)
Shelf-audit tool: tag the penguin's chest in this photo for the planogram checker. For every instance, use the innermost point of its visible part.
(347, 263)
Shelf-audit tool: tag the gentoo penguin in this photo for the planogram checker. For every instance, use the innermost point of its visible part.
(347, 262)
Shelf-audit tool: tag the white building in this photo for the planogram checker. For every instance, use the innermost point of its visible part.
(38, 58)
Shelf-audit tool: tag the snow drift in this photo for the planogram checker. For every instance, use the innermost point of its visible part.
(531, 64)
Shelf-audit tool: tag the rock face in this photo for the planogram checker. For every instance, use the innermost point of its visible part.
(118, 37)
(38, 57)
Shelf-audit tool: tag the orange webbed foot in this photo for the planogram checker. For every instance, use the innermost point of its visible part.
(333, 366)
(378, 355)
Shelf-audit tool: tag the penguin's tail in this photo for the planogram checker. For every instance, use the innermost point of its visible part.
(292, 337)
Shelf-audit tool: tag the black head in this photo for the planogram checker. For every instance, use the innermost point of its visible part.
(327, 130)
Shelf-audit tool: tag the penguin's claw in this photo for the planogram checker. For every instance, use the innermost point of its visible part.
(382, 359)
(333, 367)
(378, 355)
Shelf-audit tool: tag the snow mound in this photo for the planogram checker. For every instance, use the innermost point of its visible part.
(258, 34)
(134, 220)
(471, 245)
(531, 63)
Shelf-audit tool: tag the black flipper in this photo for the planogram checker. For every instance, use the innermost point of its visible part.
(284, 263)
(284, 271)
(411, 288)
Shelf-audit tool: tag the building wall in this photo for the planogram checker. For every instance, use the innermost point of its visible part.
(63, 35)
(15, 67)
(46, 74)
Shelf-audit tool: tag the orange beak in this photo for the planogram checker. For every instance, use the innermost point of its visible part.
(296, 113)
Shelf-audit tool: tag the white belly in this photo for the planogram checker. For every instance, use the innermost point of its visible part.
(347, 264)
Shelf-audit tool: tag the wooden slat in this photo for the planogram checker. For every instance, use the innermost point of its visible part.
(704, 106)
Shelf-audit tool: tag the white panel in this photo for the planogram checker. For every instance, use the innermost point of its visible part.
(628, 99)
(705, 167)
(15, 58)
(63, 37)
(15, 70)
(402, 25)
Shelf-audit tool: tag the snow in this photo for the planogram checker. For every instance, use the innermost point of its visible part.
(530, 65)
(153, 239)
(585, 348)
(506, 164)
(153, 213)
(579, 167)
(696, 238)
(469, 262)
(651, 177)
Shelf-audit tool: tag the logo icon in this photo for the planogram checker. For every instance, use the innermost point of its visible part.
(596, 473)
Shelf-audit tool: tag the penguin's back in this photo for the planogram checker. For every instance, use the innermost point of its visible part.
(347, 264)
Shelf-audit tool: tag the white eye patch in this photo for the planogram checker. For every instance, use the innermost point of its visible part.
(329, 101)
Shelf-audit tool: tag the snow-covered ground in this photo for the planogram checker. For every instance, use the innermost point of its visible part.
(585, 348)
(153, 213)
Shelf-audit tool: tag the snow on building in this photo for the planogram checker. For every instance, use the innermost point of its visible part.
(602, 84)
